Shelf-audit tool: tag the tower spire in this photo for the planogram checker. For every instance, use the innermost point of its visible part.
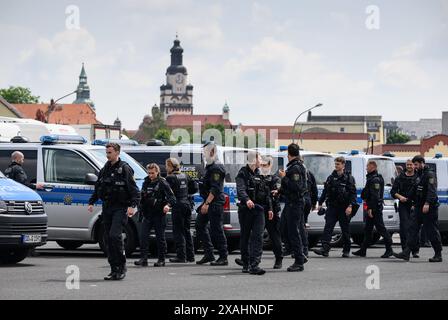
(83, 90)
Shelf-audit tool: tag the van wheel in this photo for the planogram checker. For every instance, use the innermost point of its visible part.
(233, 244)
(69, 245)
(129, 237)
(359, 238)
(336, 241)
(13, 256)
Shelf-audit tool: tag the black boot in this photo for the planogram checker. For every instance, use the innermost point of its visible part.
(360, 253)
(321, 252)
(239, 262)
(345, 254)
(295, 268)
(159, 263)
(205, 259)
(177, 260)
(257, 271)
(141, 263)
(220, 262)
(278, 263)
(121, 273)
(404, 255)
(437, 258)
(111, 275)
(389, 253)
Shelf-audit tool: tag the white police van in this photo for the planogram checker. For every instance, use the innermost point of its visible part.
(23, 221)
(439, 165)
(321, 165)
(191, 158)
(356, 164)
(68, 169)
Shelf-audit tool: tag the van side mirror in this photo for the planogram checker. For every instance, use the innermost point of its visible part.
(90, 179)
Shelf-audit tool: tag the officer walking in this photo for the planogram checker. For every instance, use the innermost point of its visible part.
(373, 194)
(402, 190)
(211, 188)
(183, 187)
(294, 187)
(273, 225)
(339, 194)
(117, 190)
(15, 171)
(426, 210)
(254, 196)
(156, 199)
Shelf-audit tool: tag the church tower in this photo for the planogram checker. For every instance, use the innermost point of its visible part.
(83, 91)
(176, 96)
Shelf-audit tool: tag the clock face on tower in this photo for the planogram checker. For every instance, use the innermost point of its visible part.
(179, 79)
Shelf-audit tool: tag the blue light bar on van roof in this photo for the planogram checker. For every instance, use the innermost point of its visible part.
(103, 142)
(283, 148)
(62, 139)
(354, 152)
(438, 156)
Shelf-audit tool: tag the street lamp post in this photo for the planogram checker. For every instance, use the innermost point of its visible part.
(52, 105)
(295, 122)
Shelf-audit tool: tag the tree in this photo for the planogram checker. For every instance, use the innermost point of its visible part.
(397, 137)
(18, 95)
(164, 135)
(150, 126)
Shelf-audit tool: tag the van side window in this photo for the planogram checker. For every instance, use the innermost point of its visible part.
(30, 164)
(65, 166)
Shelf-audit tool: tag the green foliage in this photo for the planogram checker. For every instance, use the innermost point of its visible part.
(397, 137)
(18, 95)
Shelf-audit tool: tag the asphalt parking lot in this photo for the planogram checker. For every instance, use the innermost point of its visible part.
(44, 277)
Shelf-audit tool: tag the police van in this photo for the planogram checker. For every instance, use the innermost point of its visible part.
(321, 165)
(439, 165)
(68, 168)
(356, 165)
(191, 159)
(23, 221)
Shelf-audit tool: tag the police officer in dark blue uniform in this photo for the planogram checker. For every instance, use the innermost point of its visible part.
(273, 225)
(211, 188)
(183, 187)
(156, 200)
(373, 195)
(117, 190)
(402, 190)
(15, 171)
(254, 196)
(340, 196)
(294, 187)
(426, 213)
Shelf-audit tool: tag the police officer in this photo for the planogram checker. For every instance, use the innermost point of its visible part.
(15, 171)
(402, 190)
(253, 195)
(211, 188)
(373, 194)
(426, 205)
(183, 187)
(156, 199)
(294, 187)
(117, 190)
(310, 204)
(340, 196)
(273, 225)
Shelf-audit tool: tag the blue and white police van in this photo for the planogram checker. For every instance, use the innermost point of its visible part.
(68, 167)
(439, 165)
(23, 221)
(356, 163)
(191, 159)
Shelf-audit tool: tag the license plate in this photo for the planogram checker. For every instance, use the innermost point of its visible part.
(31, 238)
(389, 203)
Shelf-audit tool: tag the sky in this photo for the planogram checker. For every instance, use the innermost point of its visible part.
(270, 60)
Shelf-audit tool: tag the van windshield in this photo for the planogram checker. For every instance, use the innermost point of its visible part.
(386, 167)
(139, 171)
(321, 166)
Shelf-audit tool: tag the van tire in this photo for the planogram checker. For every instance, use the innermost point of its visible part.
(444, 238)
(69, 244)
(13, 256)
(130, 241)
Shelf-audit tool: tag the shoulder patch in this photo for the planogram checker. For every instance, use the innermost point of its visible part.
(432, 180)
(377, 186)
(216, 176)
(296, 177)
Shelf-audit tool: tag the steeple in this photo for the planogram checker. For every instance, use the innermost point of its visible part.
(225, 111)
(176, 59)
(83, 90)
